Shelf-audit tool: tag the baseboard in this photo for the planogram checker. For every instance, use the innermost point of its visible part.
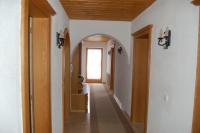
(120, 106)
(118, 101)
(127, 115)
(123, 115)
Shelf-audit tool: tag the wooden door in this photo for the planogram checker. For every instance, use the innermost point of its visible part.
(112, 74)
(41, 75)
(140, 83)
(140, 80)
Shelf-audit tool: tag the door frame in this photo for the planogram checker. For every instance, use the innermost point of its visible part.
(94, 80)
(147, 30)
(66, 77)
(112, 72)
(38, 9)
(196, 110)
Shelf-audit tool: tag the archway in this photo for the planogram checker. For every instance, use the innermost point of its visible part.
(114, 57)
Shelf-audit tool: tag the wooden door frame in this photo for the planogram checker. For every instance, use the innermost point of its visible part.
(65, 77)
(144, 31)
(112, 72)
(196, 110)
(63, 83)
(94, 80)
(28, 7)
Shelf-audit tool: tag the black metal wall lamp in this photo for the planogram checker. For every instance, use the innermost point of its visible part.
(60, 39)
(165, 38)
(119, 50)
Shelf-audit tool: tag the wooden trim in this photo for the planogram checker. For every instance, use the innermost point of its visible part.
(66, 34)
(65, 78)
(80, 58)
(25, 66)
(26, 11)
(63, 84)
(41, 8)
(112, 74)
(196, 2)
(94, 80)
(143, 31)
(196, 111)
(140, 33)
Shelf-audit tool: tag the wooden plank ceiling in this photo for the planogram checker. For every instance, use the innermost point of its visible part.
(196, 2)
(116, 10)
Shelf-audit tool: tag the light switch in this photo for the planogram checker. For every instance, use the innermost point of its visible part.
(166, 98)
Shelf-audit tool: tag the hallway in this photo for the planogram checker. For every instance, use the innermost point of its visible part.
(141, 59)
(105, 116)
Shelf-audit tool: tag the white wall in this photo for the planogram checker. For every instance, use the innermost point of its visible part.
(122, 79)
(86, 45)
(10, 90)
(122, 74)
(79, 29)
(172, 70)
(59, 22)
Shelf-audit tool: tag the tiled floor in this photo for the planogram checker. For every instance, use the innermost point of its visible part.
(78, 123)
(105, 117)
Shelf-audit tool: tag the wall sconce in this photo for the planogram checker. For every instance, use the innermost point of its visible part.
(109, 52)
(119, 50)
(60, 39)
(165, 38)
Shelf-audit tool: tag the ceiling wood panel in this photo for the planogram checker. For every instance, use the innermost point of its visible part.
(196, 2)
(118, 10)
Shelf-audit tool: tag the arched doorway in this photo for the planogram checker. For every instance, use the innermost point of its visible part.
(115, 58)
(109, 46)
